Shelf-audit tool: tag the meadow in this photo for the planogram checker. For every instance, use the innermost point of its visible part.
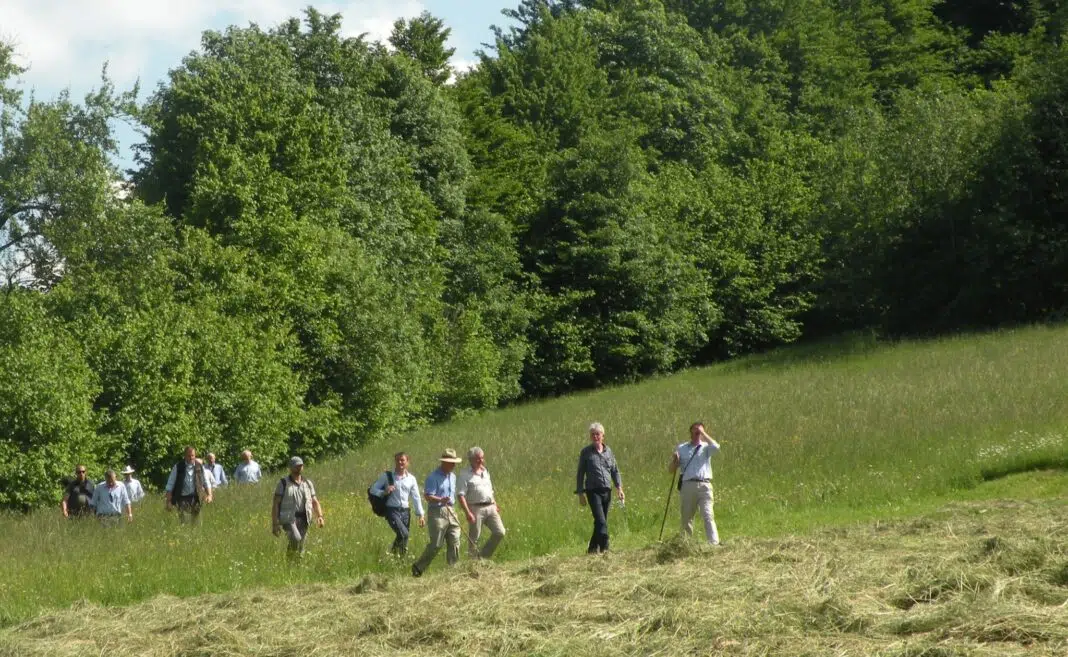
(853, 431)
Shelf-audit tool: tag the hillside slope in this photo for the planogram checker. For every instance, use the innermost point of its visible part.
(977, 578)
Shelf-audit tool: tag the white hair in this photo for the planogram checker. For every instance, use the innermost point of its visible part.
(597, 426)
(475, 451)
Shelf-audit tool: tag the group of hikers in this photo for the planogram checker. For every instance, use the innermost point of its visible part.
(396, 492)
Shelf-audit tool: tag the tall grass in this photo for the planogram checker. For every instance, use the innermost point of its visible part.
(839, 434)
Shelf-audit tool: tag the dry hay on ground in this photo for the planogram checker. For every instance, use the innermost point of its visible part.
(973, 580)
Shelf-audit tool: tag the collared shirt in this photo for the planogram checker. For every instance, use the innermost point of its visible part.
(405, 489)
(699, 466)
(476, 487)
(110, 500)
(188, 486)
(217, 472)
(248, 473)
(305, 484)
(597, 470)
(440, 484)
(134, 490)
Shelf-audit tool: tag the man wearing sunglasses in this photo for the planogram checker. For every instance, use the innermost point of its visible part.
(78, 496)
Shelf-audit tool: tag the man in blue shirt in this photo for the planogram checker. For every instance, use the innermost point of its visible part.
(440, 491)
(403, 489)
(187, 488)
(110, 500)
(216, 470)
(695, 459)
(248, 471)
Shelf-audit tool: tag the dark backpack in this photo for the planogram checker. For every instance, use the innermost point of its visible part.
(378, 504)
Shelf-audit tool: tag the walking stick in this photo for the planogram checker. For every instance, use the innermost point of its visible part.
(470, 542)
(666, 506)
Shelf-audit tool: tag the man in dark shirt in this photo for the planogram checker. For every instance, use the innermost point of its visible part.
(597, 472)
(78, 496)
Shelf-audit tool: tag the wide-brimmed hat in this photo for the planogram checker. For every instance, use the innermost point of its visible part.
(449, 456)
(295, 461)
(128, 470)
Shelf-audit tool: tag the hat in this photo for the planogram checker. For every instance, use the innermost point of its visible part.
(449, 456)
(295, 461)
(128, 470)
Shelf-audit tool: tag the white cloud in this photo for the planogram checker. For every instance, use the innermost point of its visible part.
(66, 42)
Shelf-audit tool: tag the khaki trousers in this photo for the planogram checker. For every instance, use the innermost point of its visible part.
(693, 496)
(484, 515)
(444, 529)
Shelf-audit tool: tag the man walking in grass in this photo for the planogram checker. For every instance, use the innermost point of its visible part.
(440, 491)
(248, 471)
(695, 458)
(78, 496)
(294, 503)
(597, 472)
(398, 493)
(133, 487)
(187, 488)
(111, 501)
(216, 470)
(475, 491)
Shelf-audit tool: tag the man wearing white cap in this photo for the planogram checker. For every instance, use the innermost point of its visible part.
(440, 491)
(294, 503)
(133, 487)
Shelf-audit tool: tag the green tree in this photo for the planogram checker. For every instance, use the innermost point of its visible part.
(423, 40)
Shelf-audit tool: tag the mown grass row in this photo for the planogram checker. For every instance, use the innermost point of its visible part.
(848, 432)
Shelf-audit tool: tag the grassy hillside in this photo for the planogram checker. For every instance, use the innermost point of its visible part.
(976, 579)
(846, 432)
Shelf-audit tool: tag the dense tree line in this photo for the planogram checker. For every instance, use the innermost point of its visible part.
(325, 240)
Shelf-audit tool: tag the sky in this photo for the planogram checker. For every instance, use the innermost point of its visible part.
(65, 43)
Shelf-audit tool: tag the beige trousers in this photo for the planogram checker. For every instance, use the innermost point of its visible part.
(693, 496)
(444, 529)
(484, 515)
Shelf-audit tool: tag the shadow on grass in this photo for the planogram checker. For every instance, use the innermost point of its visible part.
(1023, 466)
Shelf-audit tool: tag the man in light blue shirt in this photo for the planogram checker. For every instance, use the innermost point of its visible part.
(440, 491)
(398, 492)
(695, 459)
(248, 471)
(133, 487)
(187, 487)
(216, 470)
(110, 500)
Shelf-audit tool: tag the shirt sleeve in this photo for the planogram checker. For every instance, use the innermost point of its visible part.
(125, 495)
(616, 478)
(280, 489)
(311, 489)
(415, 499)
(170, 480)
(96, 497)
(461, 483)
(581, 472)
(222, 476)
(379, 487)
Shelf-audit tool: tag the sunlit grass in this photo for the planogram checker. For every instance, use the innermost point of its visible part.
(809, 435)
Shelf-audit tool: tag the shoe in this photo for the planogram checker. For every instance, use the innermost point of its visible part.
(415, 571)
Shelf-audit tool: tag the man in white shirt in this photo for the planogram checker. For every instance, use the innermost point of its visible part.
(695, 459)
(475, 491)
(216, 470)
(110, 500)
(133, 487)
(403, 490)
(248, 471)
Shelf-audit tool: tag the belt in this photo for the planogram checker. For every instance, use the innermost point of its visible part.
(700, 481)
(482, 503)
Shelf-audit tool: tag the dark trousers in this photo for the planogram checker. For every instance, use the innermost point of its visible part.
(600, 500)
(399, 521)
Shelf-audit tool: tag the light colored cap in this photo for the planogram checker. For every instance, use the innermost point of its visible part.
(295, 461)
(449, 456)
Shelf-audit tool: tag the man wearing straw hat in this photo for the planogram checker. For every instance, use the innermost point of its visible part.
(133, 487)
(444, 527)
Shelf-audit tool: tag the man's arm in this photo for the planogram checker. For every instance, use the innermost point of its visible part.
(317, 509)
(461, 494)
(674, 465)
(276, 526)
(416, 500)
(168, 490)
(63, 505)
(222, 477)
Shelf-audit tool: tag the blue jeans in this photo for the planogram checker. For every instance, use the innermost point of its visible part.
(600, 500)
(399, 521)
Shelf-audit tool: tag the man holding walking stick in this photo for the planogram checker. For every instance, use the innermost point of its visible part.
(695, 490)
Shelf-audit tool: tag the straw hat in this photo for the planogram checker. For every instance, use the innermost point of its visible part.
(449, 456)
(128, 470)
